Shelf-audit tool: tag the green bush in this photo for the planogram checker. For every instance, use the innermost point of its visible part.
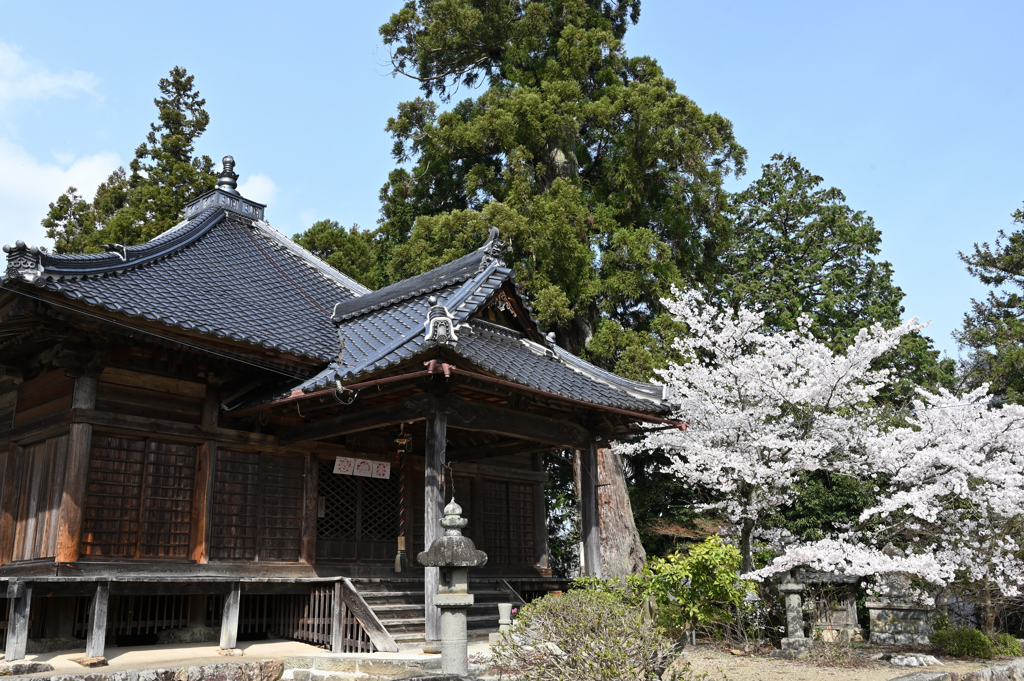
(582, 635)
(963, 642)
(1006, 644)
(941, 623)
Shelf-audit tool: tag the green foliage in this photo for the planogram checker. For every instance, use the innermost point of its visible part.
(583, 635)
(165, 175)
(993, 331)
(941, 623)
(606, 181)
(825, 503)
(1006, 644)
(348, 251)
(963, 642)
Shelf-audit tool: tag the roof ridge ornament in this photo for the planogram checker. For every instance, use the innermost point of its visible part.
(23, 261)
(225, 195)
(440, 324)
(227, 180)
(493, 248)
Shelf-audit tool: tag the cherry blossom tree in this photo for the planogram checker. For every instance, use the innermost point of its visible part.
(761, 408)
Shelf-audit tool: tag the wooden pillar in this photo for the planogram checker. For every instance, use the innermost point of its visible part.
(590, 534)
(206, 464)
(433, 510)
(307, 547)
(338, 620)
(10, 502)
(96, 639)
(229, 621)
(76, 472)
(540, 515)
(20, 595)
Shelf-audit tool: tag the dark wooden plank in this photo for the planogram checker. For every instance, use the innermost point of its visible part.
(417, 407)
(96, 638)
(17, 622)
(586, 460)
(229, 620)
(433, 508)
(60, 451)
(379, 636)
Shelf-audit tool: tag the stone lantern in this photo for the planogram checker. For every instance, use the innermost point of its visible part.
(453, 555)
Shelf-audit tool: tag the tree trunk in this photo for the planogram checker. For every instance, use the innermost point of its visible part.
(747, 535)
(989, 611)
(622, 553)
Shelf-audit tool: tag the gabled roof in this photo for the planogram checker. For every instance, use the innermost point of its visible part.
(389, 326)
(218, 273)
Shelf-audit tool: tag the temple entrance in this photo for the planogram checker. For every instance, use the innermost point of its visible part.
(357, 518)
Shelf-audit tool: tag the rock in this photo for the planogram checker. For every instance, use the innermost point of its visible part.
(90, 661)
(189, 635)
(735, 651)
(915, 660)
(39, 646)
(20, 667)
(273, 670)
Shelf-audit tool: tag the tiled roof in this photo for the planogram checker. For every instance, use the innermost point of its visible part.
(219, 274)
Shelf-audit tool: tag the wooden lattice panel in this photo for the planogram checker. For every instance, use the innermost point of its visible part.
(167, 502)
(257, 503)
(360, 516)
(508, 523)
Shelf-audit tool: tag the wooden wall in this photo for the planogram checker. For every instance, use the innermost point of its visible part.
(32, 490)
(121, 391)
(43, 396)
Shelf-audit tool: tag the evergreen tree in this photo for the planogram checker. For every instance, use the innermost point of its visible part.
(993, 331)
(349, 251)
(606, 181)
(165, 175)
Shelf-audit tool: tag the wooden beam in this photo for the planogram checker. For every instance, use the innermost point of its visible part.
(494, 449)
(229, 620)
(586, 460)
(540, 515)
(433, 508)
(507, 422)
(379, 636)
(206, 461)
(76, 473)
(96, 638)
(338, 620)
(20, 595)
(417, 407)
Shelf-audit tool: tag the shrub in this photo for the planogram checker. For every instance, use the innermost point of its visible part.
(582, 635)
(963, 642)
(941, 623)
(1006, 644)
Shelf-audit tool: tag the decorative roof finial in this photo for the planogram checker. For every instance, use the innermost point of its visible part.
(494, 248)
(227, 180)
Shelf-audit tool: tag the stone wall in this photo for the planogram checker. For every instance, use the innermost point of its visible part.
(896, 624)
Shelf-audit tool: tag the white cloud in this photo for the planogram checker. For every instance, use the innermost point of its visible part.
(28, 186)
(28, 79)
(259, 188)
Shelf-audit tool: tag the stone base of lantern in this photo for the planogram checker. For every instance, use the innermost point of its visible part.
(899, 623)
(793, 648)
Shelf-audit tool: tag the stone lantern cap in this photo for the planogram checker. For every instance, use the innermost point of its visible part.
(452, 550)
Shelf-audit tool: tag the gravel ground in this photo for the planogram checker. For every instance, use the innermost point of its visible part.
(717, 662)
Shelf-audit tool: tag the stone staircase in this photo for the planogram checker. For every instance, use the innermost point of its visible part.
(398, 604)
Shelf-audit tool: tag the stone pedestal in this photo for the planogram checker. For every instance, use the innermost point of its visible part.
(899, 623)
(795, 645)
(453, 555)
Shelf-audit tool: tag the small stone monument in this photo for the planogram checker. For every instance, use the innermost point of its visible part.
(795, 645)
(453, 554)
(896, 617)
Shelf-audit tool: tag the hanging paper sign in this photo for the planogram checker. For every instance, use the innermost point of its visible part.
(344, 465)
(382, 469)
(364, 468)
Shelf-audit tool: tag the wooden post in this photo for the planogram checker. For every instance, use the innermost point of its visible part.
(10, 502)
(338, 620)
(76, 473)
(307, 547)
(540, 515)
(229, 621)
(433, 507)
(96, 638)
(590, 560)
(20, 595)
(206, 463)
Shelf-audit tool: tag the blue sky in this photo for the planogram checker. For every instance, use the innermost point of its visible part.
(913, 109)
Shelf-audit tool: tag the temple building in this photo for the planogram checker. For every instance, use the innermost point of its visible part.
(217, 429)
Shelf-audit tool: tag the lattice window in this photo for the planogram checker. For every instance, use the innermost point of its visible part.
(508, 523)
(358, 517)
(138, 499)
(257, 505)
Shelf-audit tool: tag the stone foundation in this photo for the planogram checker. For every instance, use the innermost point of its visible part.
(899, 624)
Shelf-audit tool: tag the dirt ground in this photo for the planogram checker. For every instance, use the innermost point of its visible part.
(756, 667)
